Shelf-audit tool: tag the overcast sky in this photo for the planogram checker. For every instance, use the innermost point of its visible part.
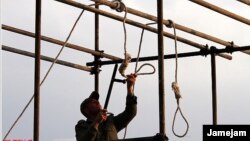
(65, 88)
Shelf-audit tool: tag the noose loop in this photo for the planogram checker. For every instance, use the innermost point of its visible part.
(145, 73)
(178, 108)
(176, 88)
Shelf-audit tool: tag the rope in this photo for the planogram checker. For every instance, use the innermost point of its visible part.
(137, 70)
(179, 108)
(46, 75)
(127, 56)
(176, 88)
(120, 6)
(145, 73)
(125, 31)
(124, 64)
(139, 50)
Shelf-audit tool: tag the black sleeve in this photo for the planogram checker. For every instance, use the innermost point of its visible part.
(123, 119)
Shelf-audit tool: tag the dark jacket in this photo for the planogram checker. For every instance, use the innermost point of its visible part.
(107, 130)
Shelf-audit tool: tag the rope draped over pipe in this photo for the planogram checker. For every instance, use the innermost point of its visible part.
(177, 26)
(136, 71)
(46, 75)
(127, 57)
(120, 7)
(137, 24)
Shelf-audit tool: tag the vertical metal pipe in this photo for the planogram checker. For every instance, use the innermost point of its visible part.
(214, 93)
(161, 66)
(37, 70)
(97, 49)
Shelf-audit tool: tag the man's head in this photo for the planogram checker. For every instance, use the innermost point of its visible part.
(91, 106)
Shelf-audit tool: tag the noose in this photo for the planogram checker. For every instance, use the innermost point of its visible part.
(120, 6)
(176, 88)
(138, 56)
(127, 57)
(136, 71)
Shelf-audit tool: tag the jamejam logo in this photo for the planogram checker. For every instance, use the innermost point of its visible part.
(230, 134)
(226, 132)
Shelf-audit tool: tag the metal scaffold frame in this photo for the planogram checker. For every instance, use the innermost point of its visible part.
(94, 66)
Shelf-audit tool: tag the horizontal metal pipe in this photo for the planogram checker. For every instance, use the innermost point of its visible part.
(58, 42)
(166, 22)
(222, 11)
(245, 1)
(171, 56)
(151, 58)
(137, 24)
(45, 58)
(209, 37)
(231, 50)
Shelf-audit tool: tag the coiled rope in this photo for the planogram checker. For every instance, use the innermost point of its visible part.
(176, 88)
(46, 75)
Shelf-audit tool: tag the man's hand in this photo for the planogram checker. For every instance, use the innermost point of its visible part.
(102, 116)
(131, 82)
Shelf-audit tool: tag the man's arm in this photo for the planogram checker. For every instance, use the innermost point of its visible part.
(122, 120)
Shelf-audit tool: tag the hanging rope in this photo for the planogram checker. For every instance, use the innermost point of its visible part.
(138, 70)
(127, 57)
(145, 73)
(138, 55)
(46, 75)
(176, 88)
(120, 6)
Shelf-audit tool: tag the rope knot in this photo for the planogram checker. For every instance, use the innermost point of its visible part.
(176, 90)
(124, 64)
(170, 24)
(120, 6)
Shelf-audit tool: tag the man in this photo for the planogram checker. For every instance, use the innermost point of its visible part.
(101, 127)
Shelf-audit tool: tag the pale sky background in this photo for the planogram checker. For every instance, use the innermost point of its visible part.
(65, 88)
